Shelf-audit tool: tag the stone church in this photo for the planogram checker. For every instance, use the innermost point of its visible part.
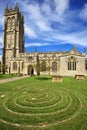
(69, 63)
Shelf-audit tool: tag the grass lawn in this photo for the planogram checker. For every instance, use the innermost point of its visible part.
(5, 76)
(38, 104)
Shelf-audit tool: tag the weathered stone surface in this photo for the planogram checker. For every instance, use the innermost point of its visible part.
(79, 77)
(57, 78)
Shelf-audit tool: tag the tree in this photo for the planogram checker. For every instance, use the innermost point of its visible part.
(43, 66)
(0, 67)
(38, 65)
(3, 68)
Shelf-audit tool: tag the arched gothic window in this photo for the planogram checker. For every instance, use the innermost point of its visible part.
(54, 66)
(8, 23)
(43, 66)
(14, 66)
(71, 63)
(13, 22)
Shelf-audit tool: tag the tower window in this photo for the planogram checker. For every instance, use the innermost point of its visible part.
(13, 22)
(8, 37)
(8, 23)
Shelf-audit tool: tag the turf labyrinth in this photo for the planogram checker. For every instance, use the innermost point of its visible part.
(29, 106)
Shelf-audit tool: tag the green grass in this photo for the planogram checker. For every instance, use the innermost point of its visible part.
(6, 76)
(38, 104)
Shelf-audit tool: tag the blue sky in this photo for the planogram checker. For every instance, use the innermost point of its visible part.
(51, 25)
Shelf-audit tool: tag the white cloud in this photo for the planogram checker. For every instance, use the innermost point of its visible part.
(0, 57)
(36, 44)
(83, 13)
(61, 6)
(80, 38)
(1, 19)
(30, 32)
(0, 46)
(46, 8)
(1, 39)
(61, 38)
(36, 16)
(42, 25)
(49, 14)
(33, 11)
(1, 27)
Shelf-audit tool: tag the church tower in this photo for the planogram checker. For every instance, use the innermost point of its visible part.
(13, 33)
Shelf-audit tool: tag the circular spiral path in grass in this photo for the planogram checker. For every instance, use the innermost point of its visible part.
(40, 107)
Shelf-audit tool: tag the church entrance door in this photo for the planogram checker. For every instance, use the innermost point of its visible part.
(30, 70)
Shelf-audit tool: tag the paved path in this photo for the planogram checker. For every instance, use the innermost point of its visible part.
(12, 79)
